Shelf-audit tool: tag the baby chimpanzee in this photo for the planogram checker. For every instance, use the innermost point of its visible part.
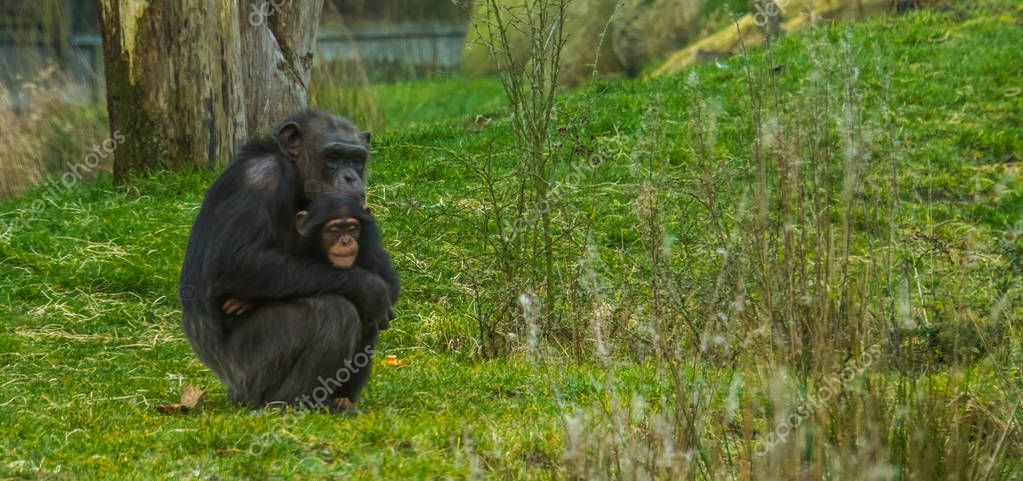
(337, 229)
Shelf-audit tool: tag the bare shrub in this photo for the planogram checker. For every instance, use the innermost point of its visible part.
(774, 329)
(517, 228)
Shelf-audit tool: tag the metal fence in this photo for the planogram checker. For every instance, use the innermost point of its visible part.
(417, 45)
(387, 51)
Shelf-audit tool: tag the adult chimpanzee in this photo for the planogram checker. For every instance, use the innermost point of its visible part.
(335, 229)
(236, 250)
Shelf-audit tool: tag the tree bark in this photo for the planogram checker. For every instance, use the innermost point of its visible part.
(189, 80)
(278, 60)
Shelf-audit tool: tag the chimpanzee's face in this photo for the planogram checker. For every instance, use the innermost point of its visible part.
(335, 222)
(339, 239)
(331, 154)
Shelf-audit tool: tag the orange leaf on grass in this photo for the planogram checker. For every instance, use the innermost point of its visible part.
(190, 397)
(393, 361)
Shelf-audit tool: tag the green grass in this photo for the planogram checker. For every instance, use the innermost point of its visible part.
(414, 104)
(406, 105)
(90, 343)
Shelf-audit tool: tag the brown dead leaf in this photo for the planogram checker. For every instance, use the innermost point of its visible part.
(190, 397)
(393, 361)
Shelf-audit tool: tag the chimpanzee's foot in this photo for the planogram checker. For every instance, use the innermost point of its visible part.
(343, 405)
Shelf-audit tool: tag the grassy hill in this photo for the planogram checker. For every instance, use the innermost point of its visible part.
(909, 128)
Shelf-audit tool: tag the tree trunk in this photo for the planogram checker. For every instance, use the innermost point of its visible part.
(278, 59)
(189, 80)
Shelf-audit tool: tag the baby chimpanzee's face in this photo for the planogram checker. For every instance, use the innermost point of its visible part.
(333, 220)
(339, 239)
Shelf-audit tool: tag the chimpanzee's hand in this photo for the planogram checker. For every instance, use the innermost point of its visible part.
(387, 323)
(236, 307)
(374, 303)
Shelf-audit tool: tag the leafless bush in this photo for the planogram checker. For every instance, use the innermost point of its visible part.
(518, 231)
(774, 328)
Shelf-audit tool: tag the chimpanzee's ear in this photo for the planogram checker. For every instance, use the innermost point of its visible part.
(365, 136)
(303, 230)
(289, 138)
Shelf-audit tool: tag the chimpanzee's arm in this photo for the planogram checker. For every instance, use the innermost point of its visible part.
(373, 258)
(245, 224)
(383, 268)
(261, 274)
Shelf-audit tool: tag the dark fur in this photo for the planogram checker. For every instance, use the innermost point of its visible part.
(371, 256)
(361, 337)
(237, 249)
